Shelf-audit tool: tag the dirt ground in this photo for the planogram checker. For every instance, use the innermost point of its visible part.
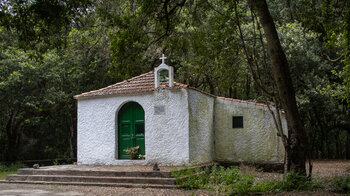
(322, 169)
(329, 168)
(55, 190)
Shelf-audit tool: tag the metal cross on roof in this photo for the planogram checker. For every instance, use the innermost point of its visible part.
(163, 59)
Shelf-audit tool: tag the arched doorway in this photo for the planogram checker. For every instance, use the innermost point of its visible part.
(131, 129)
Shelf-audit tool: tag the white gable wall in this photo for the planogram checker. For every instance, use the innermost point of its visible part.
(166, 136)
(257, 141)
(201, 111)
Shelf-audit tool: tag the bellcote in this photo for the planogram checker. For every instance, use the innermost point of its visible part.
(159, 69)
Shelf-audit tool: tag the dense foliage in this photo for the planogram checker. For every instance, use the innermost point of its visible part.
(53, 50)
(237, 181)
(240, 181)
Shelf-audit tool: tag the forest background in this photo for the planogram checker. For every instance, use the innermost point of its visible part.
(53, 50)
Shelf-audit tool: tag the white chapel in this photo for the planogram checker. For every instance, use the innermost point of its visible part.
(173, 124)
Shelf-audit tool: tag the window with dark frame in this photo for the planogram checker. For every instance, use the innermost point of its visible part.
(237, 121)
(140, 128)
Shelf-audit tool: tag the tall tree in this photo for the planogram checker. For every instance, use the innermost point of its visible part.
(42, 24)
(296, 150)
(78, 42)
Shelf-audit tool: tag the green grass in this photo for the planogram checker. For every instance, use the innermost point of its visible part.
(9, 169)
(225, 181)
(340, 184)
(290, 182)
(232, 181)
(5, 173)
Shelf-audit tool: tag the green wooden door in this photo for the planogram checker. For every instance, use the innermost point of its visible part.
(131, 129)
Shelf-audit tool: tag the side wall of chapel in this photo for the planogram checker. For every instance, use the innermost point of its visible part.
(256, 142)
(201, 113)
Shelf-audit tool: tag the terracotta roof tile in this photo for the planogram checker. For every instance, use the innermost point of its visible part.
(141, 83)
(145, 83)
(243, 101)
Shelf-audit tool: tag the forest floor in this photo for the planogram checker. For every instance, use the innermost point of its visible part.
(322, 170)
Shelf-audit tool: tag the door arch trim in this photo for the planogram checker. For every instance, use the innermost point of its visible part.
(136, 113)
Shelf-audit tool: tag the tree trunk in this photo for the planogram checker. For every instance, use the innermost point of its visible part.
(347, 128)
(71, 137)
(337, 155)
(296, 154)
(247, 87)
(70, 124)
(348, 145)
(14, 140)
(13, 137)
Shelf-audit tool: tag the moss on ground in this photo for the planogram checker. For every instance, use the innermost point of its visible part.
(9, 169)
(5, 173)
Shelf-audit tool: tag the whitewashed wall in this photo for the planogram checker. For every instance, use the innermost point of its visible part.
(166, 136)
(201, 111)
(256, 142)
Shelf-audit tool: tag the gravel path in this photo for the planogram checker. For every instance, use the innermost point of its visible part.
(321, 168)
(56, 190)
(329, 168)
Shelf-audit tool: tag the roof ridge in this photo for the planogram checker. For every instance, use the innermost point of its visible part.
(135, 77)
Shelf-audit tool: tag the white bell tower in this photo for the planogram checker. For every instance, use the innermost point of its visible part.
(160, 68)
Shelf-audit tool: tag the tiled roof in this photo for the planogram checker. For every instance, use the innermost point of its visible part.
(145, 83)
(138, 84)
(243, 101)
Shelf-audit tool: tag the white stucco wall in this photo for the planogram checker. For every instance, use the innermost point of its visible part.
(166, 136)
(201, 111)
(257, 141)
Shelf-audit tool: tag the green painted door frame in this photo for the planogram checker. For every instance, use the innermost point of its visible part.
(131, 129)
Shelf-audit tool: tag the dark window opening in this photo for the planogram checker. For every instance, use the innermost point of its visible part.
(140, 129)
(237, 122)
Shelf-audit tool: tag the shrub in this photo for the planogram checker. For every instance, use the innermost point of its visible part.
(290, 182)
(293, 181)
(227, 181)
(340, 184)
(189, 178)
(266, 186)
(231, 181)
(12, 167)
